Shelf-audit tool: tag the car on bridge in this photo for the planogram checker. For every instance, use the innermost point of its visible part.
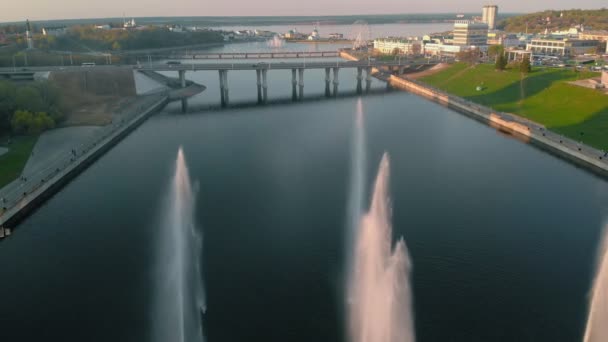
(170, 63)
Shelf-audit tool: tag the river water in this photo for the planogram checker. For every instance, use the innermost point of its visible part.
(502, 236)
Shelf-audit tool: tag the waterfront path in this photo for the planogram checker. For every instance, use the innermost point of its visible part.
(40, 177)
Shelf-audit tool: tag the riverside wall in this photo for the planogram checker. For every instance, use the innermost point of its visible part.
(49, 184)
(528, 131)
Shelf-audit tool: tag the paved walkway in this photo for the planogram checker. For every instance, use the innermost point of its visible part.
(64, 155)
(56, 144)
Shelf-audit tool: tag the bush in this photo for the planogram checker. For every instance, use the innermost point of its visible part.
(25, 122)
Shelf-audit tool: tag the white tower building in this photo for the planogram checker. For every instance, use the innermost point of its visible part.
(488, 15)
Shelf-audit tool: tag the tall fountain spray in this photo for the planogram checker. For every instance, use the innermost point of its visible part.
(379, 296)
(179, 296)
(597, 321)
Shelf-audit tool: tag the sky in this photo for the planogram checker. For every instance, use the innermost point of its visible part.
(13, 10)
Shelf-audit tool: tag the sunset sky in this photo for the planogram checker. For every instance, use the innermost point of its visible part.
(69, 9)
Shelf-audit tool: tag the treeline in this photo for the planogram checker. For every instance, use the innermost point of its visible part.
(556, 20)
(117, 39)
(29, 108)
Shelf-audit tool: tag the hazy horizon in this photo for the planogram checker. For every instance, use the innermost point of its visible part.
(38, 10)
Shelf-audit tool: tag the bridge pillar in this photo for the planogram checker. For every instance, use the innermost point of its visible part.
(294, 85)
(359, 80)
(265, 85)
(224, 87)
(258, 74)
(368, 79)
(327, 81)
(182, 78)
(301, 83)
(336, 81)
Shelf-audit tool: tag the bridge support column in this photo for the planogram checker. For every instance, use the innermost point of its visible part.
(327, 81)
(258, 74)
(224, 87)
(265, 85)
(301, 83)
(368, 79)
(182, 81)
(294, 85)
(359, 80)
(336, 81)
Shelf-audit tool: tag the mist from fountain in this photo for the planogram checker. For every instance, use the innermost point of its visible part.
(597, 320)
(379, 300)
(179, 296)
(276, 42)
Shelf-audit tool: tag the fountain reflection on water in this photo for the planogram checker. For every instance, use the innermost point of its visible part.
(179, 297)
(597, 321)
(378, 288)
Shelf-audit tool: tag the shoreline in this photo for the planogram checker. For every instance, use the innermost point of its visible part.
(41, 187)
(585, 156)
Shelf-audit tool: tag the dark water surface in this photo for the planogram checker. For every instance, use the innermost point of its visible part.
(502, 235)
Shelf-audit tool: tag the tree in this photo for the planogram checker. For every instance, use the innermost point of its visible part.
(501, 62)
(395, 51)
(495, 50)
(116, 46)
(525, 66)
(25, 122)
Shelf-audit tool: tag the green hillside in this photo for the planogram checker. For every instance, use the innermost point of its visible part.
(556, 20)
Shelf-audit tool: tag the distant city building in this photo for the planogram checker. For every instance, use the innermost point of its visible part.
(601, 36)
(561, 47)
(294, 35)
(28, 34)
(519, 55)
(265, 34)
(399, 45)
(314, 35)
(489, 14)
(469, 33)
(336, 36)
(506, 40)
(130, 24)
(54, 31)
(439, 49)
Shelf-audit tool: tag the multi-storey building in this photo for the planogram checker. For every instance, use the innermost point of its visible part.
(470, 33)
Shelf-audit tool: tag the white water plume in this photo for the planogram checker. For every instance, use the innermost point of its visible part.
(597, 321)
(378, 288)
(179, 297)
(275, 42)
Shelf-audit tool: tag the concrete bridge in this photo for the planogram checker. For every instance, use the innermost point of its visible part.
(332, 71)
(253, 55)
(297, 68)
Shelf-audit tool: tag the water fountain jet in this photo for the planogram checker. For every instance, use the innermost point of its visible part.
(597, 321)
(179, 296)
(379, 301)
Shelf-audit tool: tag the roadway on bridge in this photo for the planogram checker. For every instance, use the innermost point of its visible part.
(229, 66)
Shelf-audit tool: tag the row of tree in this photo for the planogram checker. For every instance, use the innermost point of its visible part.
(556, 20)
(118, 39)
(28, 109)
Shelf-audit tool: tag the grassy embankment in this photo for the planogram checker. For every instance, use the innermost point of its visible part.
(543, 96)
(13, 161)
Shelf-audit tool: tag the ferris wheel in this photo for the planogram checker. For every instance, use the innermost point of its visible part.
(361, 34)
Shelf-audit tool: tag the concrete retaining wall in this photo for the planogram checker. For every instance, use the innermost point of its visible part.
(566, 148)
